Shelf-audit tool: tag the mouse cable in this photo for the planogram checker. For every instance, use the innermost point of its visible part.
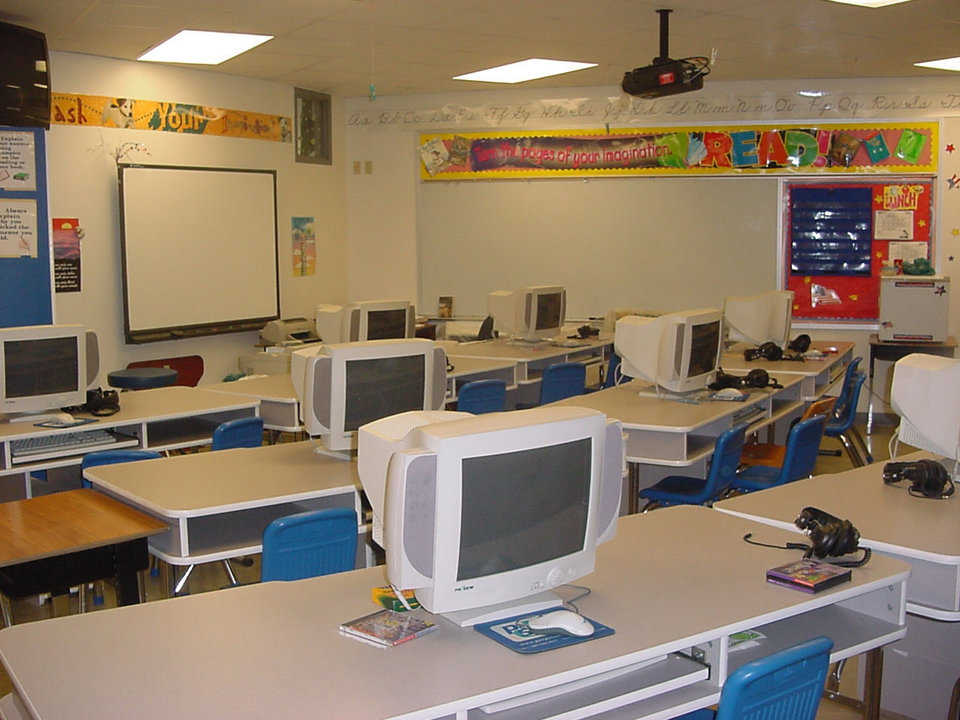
(584, 591)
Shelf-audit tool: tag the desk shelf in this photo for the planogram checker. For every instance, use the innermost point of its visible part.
(187, 431)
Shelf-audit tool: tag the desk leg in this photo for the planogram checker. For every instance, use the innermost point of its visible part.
(633, 488)
(872, 684)
(870, 390)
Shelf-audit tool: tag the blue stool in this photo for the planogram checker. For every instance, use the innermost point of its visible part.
(142, 378)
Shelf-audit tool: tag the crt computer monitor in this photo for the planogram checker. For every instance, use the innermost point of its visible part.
(532, 313)
(926, 395)
(480, 513)
(678, 351)
(366, 320)
(757, 319)
(343, 386)
(42, 368)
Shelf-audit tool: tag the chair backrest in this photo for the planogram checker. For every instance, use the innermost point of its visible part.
(482, 396)
(318, 542)
(562, 380)
(725, 460)
(846, 414)
(802, 449)
(189, 367)
(848, 377)
(786, 685)
(612, 367)
(242, 432)
(486, 329)
(112, 457)
(823, 406)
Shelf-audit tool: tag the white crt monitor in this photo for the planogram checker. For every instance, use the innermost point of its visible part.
(757, 319)
(481, 513)
(926, 396)
(531, 313)
(366, 320)
(42, 368)
(343, 386)
(678, 351)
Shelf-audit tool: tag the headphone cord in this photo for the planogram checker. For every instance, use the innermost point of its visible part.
(808, 552)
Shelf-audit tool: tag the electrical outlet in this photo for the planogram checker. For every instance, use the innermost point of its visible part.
(368, 167)
(356, 167)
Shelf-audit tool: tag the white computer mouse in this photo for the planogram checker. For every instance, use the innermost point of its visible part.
(729, 394)
(61, 418)
(565, 622)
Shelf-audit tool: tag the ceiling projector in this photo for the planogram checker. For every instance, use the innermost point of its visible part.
(666, 76)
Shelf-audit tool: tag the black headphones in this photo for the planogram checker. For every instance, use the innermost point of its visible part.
(830, 536)
(800, 344)
(766, 351)
(760, 378)
(928, 478)
(102, 402)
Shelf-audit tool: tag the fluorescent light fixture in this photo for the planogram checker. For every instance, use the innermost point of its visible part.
(945, 64)
(524, 70)
(200, 47)
(870, 3)
(811, 93)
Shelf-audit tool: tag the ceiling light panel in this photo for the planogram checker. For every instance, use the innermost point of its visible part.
(200, 47)
(945, 64)
(524, 70)
(870, 3)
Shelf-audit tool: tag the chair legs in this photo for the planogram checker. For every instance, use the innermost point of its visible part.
(6, 609)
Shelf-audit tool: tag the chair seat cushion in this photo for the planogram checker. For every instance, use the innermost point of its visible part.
(677, 489)
(756, 477)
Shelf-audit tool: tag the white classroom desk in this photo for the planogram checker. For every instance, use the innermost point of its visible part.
(159, 419)
(678, 580)
(819, 376)
(924, 533)
(531, 359)
(668, 437)
(218, 504)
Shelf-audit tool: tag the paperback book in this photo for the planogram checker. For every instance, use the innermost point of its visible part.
(387, 628)
(808, 575)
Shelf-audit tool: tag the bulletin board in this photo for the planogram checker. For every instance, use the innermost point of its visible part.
(25, 285)
(839, 236)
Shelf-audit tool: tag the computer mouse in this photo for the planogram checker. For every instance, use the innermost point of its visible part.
(729, 394)
(562, 622)
(61, 418)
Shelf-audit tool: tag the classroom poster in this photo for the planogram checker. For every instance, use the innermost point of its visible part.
(707, 150)
(17, 162)
(304, 246)
(166, 116)
(18, 228)
(66, 254)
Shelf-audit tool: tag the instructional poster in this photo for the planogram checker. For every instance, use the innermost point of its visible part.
(66, 254)
(17, 161)
(304, 246)
(18, 228)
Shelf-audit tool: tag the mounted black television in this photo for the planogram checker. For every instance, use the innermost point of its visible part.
(24, 77)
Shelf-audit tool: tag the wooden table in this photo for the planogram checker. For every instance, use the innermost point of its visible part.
(894, 350)
(819, 376)
(675, 581)
(924, 533)
(161, 419)
(53, 542)
(667, 437)
(217, 504)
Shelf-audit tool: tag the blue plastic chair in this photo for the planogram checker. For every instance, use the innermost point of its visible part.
(112, 457)
(803, 442)
(849, 376)
(562, 380)
(841, 425)
(240, 433)
(482, 396)
(785, 685)
(318, 542)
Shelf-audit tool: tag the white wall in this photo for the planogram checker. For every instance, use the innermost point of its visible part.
(81, 167)
(382, 207)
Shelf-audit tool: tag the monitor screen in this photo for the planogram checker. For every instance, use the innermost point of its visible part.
(379, 387)
(703, 348)
(546, 515)
(548, 311)
(40, 366)
(386, 324)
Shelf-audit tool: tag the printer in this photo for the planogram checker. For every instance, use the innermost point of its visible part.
(288, 331)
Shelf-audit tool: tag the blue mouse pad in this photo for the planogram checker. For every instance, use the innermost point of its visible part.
(514, 633)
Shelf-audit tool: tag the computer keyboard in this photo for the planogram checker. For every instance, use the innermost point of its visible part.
(39, 447)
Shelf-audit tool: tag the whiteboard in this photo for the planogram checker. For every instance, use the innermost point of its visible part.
(657, 243)
(199, 250)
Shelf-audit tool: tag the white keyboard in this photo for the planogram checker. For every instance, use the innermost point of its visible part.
(39, 447)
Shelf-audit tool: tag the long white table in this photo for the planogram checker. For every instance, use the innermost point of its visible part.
(922, 669)
(676, 583)
(819, 376)
(160, 419)
(668, 437)
(218, 504)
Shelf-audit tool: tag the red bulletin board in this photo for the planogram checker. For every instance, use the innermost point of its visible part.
(844, 296)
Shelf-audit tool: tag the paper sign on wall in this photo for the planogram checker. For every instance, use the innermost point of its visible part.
(66, 254)
(17, 161)
(893, 225)
(304, 246)
(18, 228)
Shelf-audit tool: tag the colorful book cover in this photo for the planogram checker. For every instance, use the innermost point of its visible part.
(808, 575)
(388, 628)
